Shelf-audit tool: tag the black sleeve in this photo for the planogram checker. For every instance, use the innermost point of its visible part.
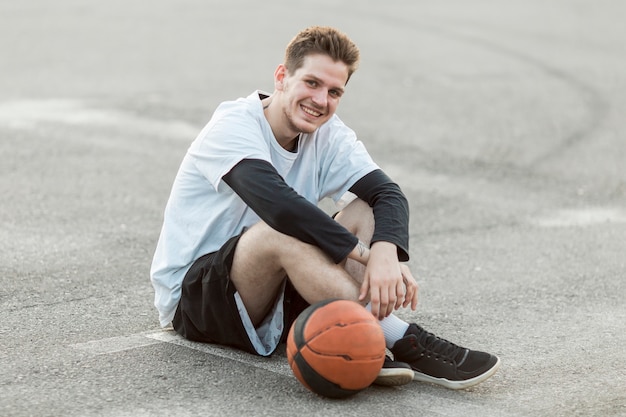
(391, 210)
(261, 187)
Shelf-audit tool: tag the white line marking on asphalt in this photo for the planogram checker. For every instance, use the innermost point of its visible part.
(582, 217)
(28, 114)
(276, 363)
(115, 344)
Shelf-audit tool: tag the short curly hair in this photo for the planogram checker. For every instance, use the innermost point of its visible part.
(322, 40)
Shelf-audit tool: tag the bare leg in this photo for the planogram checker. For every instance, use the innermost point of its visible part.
(264, 257)
(358, 218)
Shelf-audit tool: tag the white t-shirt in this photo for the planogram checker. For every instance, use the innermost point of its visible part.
(203, 212)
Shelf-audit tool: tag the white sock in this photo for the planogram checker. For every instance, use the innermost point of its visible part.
(394, 328)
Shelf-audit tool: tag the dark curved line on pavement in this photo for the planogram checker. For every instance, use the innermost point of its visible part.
(594, 101)
(597, 106)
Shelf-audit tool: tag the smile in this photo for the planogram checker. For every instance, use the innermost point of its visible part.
(310, 111)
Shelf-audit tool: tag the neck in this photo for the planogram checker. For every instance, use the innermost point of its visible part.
(293, 145)
(286, 138)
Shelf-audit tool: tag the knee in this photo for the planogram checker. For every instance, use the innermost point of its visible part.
(263, 232)
(269, 238)
(358, 218)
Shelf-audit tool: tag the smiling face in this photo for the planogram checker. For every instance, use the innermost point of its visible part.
(308, 97)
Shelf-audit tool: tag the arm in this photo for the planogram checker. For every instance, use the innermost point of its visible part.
(261, 187)
(391, 210)
(389, 282)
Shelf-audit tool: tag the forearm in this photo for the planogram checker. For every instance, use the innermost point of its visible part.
(391, 210)
(361, 253)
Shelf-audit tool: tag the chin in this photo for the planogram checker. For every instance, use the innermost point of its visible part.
(306, 127)
(304, 124)
(311, 126)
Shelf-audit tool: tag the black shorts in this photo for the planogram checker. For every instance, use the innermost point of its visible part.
(207, 311)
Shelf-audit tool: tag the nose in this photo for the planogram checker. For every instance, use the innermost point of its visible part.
(320, 97)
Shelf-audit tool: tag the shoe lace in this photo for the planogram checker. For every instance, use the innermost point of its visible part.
(439, 346)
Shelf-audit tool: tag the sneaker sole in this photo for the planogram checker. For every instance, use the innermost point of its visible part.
(394, 377)
(418, 376)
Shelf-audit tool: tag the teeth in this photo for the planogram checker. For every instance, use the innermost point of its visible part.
(311, 112)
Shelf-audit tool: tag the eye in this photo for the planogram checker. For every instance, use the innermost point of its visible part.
(311, 83)
(335, 93)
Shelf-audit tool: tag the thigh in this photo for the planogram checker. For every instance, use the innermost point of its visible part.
(294, 305)
(207, 311)
(257, 271)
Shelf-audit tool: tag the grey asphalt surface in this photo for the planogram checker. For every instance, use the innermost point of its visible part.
(502, 121)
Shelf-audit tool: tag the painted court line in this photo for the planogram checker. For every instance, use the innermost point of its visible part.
(582, 217)
(276, 363)
(115, 344)
(28, 114)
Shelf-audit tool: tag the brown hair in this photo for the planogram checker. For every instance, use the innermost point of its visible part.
(321, 40)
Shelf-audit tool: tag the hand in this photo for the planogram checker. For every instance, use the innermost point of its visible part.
(389, 283)
(411, 288)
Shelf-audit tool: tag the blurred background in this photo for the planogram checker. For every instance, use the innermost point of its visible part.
(502, 121)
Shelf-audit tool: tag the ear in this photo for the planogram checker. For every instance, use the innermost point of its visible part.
(279, 77)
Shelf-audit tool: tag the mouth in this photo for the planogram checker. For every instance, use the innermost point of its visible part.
(310, 111)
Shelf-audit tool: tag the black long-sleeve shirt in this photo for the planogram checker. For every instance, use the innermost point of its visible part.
(261, 187)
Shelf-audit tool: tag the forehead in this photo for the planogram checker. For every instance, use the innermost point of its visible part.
(323, 68)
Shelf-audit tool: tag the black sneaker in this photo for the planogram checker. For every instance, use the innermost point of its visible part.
(394, 373)
(441, 362)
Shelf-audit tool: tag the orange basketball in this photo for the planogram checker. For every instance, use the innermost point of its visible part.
(336, 348)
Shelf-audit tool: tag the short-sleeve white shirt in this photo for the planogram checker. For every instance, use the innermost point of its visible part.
(203, 212)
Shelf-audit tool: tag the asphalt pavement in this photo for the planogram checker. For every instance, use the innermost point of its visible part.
(502, 121)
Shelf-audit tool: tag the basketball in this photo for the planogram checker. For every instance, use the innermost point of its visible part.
(336, 348)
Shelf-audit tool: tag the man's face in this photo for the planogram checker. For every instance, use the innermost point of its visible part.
(312, 92)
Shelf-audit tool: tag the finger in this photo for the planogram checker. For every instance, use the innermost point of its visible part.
(411, 298)
(390, 308)
(414, 297)
(391, 302)
(365, 288)
(412, 289)
(374, 298)
(375, 307)
(410, 293)
(407, 297)
(375, 303)
(384, 305)
(400, 296)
